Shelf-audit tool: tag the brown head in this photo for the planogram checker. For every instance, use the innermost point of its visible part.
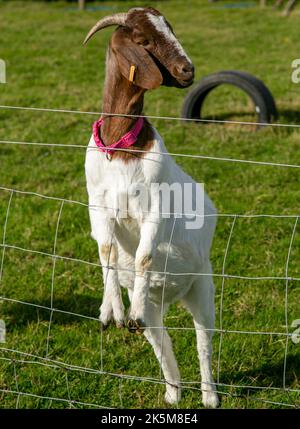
(147, 50)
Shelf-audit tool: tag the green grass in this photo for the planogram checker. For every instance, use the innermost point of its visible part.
(48, 67)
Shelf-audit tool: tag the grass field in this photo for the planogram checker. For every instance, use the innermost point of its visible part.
(48, 67)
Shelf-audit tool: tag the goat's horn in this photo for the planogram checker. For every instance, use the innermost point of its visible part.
(116, 19)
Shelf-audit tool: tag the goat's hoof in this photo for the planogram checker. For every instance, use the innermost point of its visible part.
(210, 399)
(136, 326)
(120, 325)
(104, 326)
(173, 396)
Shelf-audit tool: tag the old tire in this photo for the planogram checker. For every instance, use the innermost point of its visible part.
(261, 96)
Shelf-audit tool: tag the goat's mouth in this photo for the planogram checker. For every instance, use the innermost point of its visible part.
(185, 83)
(168, 78)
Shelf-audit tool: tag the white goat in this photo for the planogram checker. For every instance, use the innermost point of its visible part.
(137, 251)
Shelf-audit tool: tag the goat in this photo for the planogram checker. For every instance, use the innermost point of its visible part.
(135, 251)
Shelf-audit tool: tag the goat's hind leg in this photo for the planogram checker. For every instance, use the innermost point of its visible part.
(162, 346)
(200, 302)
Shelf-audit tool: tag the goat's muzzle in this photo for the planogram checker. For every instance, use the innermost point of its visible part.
(184, 72)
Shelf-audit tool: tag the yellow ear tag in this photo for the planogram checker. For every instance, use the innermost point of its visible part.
(132, 73)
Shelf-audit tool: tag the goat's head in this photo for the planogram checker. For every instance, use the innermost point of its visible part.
(145, 46)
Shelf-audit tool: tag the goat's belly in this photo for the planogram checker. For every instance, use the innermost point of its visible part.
(171, 276)
(162, 287)
(168, 288)
(127, 237)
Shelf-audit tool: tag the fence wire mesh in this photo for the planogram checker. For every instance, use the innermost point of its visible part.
(17, 359)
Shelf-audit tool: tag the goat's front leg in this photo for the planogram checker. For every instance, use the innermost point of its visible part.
(150, 232)
(112, 304)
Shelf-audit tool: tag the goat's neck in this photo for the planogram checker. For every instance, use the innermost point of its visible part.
(120, 97)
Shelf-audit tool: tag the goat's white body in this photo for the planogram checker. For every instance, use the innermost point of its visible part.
(188, 250)
(141, 239)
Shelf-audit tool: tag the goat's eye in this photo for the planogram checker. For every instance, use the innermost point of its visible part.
(145, 43)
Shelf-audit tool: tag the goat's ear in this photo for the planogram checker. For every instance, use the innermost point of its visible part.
(146, 73)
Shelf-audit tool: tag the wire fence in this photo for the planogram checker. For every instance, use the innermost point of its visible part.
(15, 357)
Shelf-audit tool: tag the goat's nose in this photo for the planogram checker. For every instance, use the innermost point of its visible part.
(184, 70)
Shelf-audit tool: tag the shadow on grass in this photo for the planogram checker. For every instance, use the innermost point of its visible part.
(229, 114)
(290, 116)
(287, 116)
(19, 314)
(266, 375)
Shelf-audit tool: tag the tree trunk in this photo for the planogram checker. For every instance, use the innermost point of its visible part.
(81, 4)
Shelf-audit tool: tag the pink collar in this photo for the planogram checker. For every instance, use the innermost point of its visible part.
(126, 141)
